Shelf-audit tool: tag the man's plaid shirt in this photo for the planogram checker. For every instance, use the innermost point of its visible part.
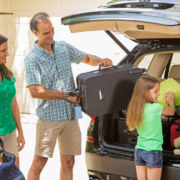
(53, 71)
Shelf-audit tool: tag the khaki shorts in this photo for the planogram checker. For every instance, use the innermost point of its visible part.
(67, 132)
(10, 143)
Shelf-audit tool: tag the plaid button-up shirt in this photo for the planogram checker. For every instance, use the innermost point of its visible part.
(53, 71)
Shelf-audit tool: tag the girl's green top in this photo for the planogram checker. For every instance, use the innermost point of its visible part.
(7, 93)
(150, 134)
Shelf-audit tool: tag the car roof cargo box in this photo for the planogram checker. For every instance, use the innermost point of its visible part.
(107, 90)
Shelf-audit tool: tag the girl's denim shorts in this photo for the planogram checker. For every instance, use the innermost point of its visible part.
(151, 159)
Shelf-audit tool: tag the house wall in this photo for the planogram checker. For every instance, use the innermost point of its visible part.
(21, 39)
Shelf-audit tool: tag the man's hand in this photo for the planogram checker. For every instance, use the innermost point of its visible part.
(71, 98)
(106, 62)
(96, 61)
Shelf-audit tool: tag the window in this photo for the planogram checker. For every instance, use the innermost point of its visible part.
(145, 62)
(175, 59)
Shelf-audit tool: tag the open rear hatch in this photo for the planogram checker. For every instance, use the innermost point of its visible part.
(140, 25)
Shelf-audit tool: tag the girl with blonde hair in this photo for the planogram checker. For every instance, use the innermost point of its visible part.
(144, 114)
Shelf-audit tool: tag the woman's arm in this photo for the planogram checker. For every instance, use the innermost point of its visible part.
(16, 117)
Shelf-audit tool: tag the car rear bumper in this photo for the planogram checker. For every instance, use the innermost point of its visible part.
(110, 165)
(123, 167)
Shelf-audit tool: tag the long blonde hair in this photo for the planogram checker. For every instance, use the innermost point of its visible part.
(139, 98)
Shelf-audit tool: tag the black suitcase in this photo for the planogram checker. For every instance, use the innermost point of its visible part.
(107, 90)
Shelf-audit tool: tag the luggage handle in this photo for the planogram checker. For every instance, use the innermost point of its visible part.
(103, 64)
(137, 70)
(82, 93)
(178, 124)
(76, 93)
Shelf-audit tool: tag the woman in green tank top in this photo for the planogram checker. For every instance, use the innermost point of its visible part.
(144, 114)
(9, 111)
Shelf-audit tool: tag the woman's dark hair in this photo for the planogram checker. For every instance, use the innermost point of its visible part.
(7, 73)
(37, 18)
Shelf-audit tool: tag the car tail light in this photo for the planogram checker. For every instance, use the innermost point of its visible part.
(90, 139)
(93, 118)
